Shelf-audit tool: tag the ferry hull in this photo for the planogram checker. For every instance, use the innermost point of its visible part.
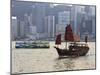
(79, 51)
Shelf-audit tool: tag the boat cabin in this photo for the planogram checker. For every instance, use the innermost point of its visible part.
(79, 44)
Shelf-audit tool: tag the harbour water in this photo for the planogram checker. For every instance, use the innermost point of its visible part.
(47, 60)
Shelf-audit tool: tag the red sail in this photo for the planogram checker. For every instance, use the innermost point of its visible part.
(58, 39)
(69, 35)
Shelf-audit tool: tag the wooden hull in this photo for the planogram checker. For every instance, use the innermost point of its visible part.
(73, 51)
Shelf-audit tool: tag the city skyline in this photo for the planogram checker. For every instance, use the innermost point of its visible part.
(44, 20)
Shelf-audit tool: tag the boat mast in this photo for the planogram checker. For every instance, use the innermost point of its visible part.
(66, 38)
(68, 24)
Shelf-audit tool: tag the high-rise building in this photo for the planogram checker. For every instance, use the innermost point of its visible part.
(38, 14)
(30, 19)
(22, 29)
(33, 30)
(14, 28)
(50, 26)
(93, 13)
(76, 18)
(64, 17)
(59, 10)
(32, 33)
(27, 23)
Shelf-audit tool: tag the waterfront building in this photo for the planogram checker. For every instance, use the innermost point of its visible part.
(14, 28)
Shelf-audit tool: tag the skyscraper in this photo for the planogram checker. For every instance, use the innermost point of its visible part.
(64, 18)
(22, 29)
(27, 23)
(38, 16)
(14, 28)
(50, 26)
(77, 13)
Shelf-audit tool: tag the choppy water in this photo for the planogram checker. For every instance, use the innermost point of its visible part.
(44, 60)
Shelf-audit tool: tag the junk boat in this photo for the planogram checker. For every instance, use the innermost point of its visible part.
(75, 48)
